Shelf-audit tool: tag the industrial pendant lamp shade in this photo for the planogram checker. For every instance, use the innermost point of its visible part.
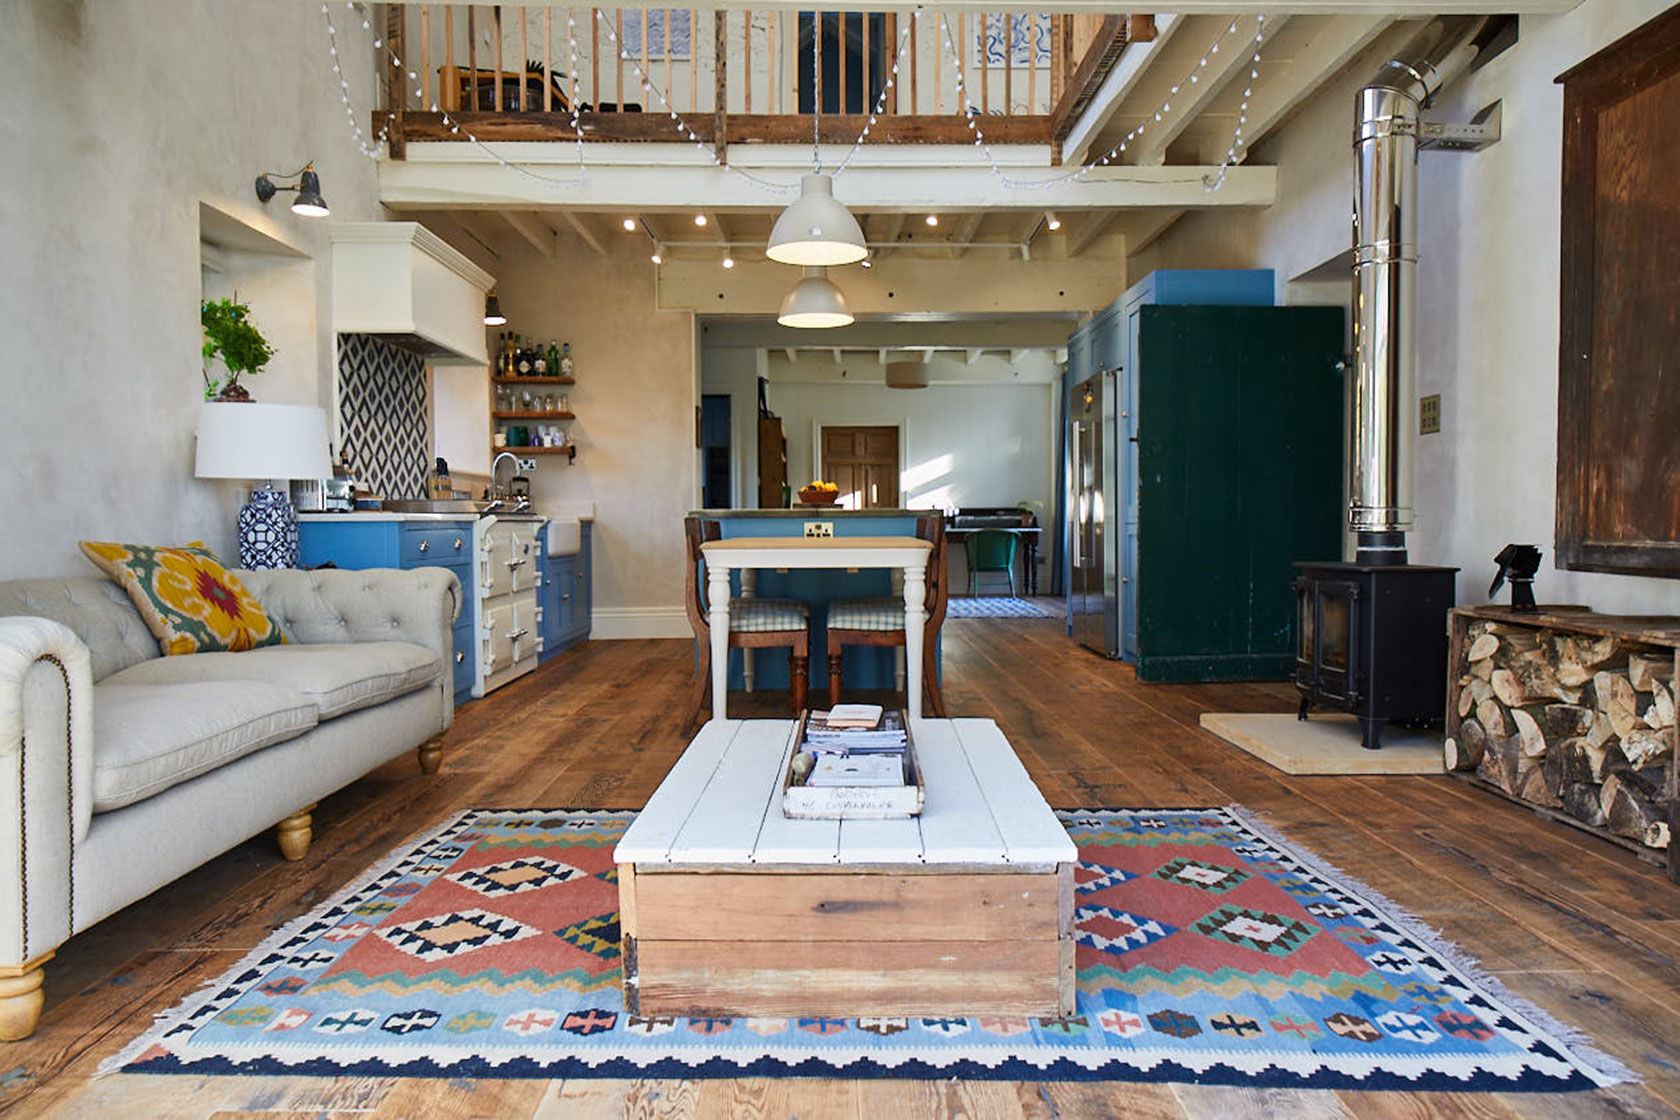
(907, 375)
(309, 201)
(816, 229)
(493, 316)
(815, 302)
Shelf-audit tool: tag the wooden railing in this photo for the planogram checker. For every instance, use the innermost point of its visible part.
(515, 71)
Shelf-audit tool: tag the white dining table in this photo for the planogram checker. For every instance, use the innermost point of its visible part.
(907, 554)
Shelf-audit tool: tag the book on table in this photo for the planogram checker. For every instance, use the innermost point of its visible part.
(867, 771)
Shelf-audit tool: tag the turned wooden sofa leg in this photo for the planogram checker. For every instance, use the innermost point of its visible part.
(431, 755)
(294, 834)
(21, 998)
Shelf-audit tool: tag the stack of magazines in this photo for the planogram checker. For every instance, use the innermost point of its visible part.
(856, 745)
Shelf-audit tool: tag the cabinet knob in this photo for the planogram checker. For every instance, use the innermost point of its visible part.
(460, 656)
(565, 595)
(425, 546)
(457, 544)
(512, 564)
(579, 575)
(515, 635)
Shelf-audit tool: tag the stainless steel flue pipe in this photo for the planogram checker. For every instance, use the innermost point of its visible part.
(1385, 138)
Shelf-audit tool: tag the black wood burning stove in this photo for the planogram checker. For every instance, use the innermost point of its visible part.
(1371, 639)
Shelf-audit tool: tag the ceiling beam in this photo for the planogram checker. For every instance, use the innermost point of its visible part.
(719, 226)
(965, 231)
(1104, 51)
(1093, 227)
(1234, 61)
(792, 354)
(425, 182)
(1133, 64)
(532, 229)
(891, 228)
(974, 353)
(1140, 227)
(588, 229)
(1331, 43)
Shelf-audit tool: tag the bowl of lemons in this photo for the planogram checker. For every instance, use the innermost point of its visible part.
(819, 493)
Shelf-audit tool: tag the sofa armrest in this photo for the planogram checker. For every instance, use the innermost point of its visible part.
(46, 781)
(419, 605)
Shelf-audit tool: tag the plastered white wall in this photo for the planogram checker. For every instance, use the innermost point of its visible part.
(1488, 294)
(634, 399)
(121, 116)
(461, 417)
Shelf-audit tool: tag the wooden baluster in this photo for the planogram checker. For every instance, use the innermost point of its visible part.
(498, 59)
(618, 55)
(720, 111)
(914, 53)
(449, 89)
(665, 22)
(868, 90)
(986, 62)
(892, 37)
(772, 87)
(693, 61)
(595, 58)
(746, 58)
(571, 66)
(840, 55)
(962, 53)
(396, 86)
(472, 58)
(425, 56)
(524, 57)
(816, 47)
(646, 47)
(1008, 62)
(939, 66)
(1032, 62)
(548, 59)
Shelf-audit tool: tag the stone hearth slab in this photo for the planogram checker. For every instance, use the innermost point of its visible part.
(1328, 743)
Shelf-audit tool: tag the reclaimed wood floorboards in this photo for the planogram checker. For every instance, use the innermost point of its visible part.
(1567, 921)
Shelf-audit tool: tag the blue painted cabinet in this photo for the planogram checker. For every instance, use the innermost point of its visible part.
(565, 596)
(402, 544)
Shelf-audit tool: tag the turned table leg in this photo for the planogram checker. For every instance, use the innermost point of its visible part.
(21, 998)
(294, 834)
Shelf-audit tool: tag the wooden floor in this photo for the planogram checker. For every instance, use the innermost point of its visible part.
(1567, 921)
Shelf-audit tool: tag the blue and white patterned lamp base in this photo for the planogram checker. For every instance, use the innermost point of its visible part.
(268, 531)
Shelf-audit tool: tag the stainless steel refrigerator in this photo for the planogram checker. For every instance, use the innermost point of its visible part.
(1094, 551)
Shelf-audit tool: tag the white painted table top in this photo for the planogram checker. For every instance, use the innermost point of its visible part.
(816, 552)
(720, 805)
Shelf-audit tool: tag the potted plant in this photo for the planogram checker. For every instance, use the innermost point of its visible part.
(230, 335)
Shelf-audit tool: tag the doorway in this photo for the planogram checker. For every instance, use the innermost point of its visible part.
(714, 451)
(863, 462)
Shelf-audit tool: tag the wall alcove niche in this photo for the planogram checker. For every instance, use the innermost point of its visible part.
(1618, 481)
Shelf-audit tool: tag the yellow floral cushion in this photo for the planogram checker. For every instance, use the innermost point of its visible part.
(189, 602)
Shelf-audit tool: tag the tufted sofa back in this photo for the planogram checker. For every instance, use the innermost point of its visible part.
(97, 610)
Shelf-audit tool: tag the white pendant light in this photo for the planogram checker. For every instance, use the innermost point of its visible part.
(907, 375)
(814, 302)
(816, 229)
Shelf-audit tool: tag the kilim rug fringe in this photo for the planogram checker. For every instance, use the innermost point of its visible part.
(423, 967)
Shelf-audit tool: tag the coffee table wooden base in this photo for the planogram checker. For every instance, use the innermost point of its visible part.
(845, 943)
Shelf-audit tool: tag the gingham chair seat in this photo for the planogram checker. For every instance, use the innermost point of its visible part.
(867, 614)
(759, 616)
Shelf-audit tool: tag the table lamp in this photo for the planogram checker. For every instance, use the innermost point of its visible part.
(269, 444)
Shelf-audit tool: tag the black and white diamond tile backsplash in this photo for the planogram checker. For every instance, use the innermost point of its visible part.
(384, 415)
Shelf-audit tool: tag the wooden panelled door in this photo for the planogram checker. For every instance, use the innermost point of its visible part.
(863, 462)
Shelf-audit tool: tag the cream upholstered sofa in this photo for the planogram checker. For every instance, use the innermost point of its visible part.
(121, 769)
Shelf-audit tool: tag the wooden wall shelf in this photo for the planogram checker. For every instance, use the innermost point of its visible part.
(533, 380)
(533, 415)
(570, 451)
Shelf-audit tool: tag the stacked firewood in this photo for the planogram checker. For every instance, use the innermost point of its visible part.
(1573, 722)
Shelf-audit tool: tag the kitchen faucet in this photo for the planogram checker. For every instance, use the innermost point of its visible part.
(500, 495)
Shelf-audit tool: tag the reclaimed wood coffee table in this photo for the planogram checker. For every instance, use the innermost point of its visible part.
(729, 908)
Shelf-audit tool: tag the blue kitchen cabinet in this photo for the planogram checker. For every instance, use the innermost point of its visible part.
(565, 596)
(394, 543)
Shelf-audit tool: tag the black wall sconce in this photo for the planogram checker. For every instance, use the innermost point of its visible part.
(493, 316)
(309, 202)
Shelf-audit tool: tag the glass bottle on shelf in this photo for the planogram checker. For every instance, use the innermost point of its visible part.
(523, 358)
(539, 361)
(565, 402)
(553, 358)
(566, 360)
(525, 400)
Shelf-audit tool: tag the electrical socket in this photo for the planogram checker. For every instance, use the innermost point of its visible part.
(527, 464)
(819, 528)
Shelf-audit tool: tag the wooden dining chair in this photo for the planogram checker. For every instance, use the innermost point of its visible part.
(880, 622)
(753, 624)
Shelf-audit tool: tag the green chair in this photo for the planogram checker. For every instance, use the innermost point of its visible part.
(991, 550)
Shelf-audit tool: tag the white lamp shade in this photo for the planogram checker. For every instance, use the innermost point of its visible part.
(907, 375)
(815, 302)
(245, 439)
(816, 229)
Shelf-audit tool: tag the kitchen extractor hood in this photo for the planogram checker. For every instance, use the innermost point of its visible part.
(405, 284)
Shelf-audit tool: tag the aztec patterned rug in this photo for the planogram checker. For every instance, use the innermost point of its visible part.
(994, 606)
(1209, 950)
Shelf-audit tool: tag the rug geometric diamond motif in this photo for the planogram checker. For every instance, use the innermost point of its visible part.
(598, 935)
(1115, 931)
(514, 876)
(1255, 929)
(1196, 873)
(448, 935)
(393, 977)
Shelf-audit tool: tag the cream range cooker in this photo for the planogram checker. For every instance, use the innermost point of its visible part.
(506, 616)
